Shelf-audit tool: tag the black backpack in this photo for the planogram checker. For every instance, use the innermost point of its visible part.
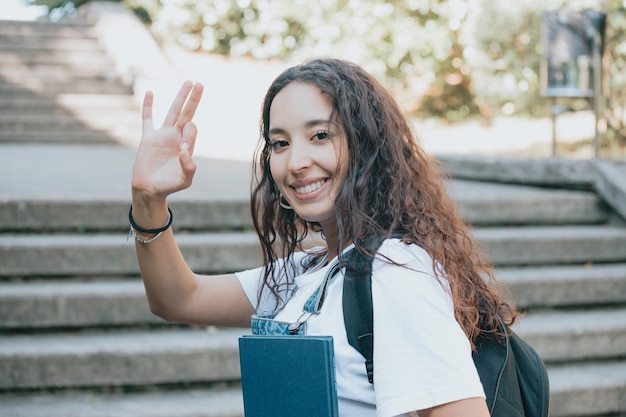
(513, 375)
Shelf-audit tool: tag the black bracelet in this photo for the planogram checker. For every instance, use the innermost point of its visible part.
(149, 231)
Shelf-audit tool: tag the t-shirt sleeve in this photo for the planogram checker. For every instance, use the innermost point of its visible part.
(251, 280)
(422, 357)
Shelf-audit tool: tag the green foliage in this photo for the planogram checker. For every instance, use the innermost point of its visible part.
(452, 59)
(506, 66)
(506, 58)
(615, 76)
(61, 7)
(58, 9)
(404, 42)
(58, 4)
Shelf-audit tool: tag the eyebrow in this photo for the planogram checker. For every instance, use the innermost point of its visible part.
(309, 124)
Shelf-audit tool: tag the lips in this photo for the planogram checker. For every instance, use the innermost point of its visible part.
(310, 187)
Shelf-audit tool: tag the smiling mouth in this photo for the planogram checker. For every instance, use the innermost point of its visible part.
(310, 188)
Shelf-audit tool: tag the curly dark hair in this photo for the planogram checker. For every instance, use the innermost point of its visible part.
(392, 188)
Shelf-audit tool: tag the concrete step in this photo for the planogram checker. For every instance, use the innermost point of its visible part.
(75, 254)
(566, 285)
(58, 76)
(100, 302)
(18, 43)
(91, 255)
(68, 28)
(119, 359)
(85, 86)
(589, 389)
(26, 122)
(531, 205)
(93, 303)
(107, 303)
(83, 136)
(212, 211)
(574, 336)
(537, 245)
(188, 402)
(604, 176)
(206, 213)
(74, 103)
(581, 390)
(576, 391)
(109, 213)
(125, 357)
(32, 58)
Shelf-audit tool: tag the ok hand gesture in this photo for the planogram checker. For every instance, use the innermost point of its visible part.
(163, 164)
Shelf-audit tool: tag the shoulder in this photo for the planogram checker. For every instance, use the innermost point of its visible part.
(400, 266)
(397, 253)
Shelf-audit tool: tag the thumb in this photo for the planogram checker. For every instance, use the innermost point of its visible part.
(189, 134)
(187, 163)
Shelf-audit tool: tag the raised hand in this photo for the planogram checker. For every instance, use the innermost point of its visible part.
(164, 164)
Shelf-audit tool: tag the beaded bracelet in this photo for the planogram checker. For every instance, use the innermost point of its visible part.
(139, 239)
(134, 228)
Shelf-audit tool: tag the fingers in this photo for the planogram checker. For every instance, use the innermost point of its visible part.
(174, 111)
(146, 113)
(185, 153)
(190, 106)
(187, 164)
(184, 106)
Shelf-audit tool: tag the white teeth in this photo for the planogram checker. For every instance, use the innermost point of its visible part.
(310, 188)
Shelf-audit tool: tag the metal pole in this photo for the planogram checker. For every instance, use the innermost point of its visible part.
(553, 114)
(597, 85)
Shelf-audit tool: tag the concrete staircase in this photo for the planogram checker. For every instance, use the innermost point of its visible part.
(77, 336)
(58, 85)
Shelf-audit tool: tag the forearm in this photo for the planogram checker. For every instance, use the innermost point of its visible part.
(168, 280)
(163, 166)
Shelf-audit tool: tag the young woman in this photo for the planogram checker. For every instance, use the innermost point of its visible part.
(338, 157)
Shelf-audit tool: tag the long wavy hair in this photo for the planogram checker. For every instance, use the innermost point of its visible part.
(392, 188)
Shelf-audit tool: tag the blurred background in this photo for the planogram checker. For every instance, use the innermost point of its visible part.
(453, 61)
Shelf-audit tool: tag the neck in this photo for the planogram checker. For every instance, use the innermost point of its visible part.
(331, 234)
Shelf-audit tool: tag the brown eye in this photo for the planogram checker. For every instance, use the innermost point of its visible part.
(277, 144)
(321, 135)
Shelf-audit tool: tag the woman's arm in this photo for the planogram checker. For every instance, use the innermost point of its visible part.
(164, 165)
(469, 407)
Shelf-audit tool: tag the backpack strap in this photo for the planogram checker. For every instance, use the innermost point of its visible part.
(358, 311)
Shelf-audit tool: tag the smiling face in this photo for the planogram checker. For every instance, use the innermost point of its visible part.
(309, 157)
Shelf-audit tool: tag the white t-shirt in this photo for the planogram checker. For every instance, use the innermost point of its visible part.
(422, 358)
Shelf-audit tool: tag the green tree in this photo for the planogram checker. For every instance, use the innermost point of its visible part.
(615, 74)
(444, 58)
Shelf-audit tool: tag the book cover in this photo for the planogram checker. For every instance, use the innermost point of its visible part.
(288, 376)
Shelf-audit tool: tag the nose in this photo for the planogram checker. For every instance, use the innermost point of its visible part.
(299, 156)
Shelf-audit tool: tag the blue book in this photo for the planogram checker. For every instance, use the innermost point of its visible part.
(288, 376)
